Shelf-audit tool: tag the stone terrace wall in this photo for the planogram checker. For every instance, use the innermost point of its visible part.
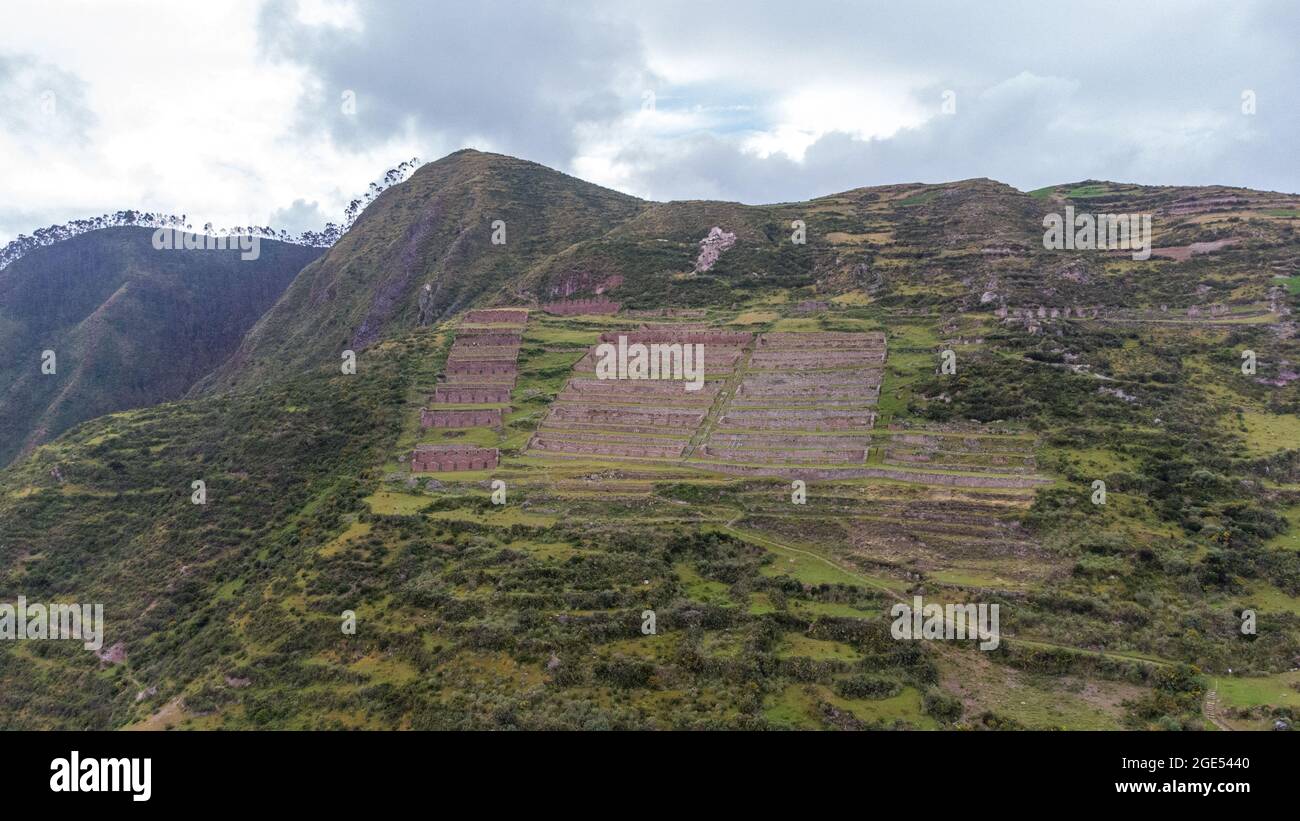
(481, 367)
(804, 359)
(489, 339)
(665, 335)
(490, 418)
(822, 340)
(718, 359)
(441, 458)
(806, 398)
(580, 307)
(471, 394)
(811, 307)
(497, 316)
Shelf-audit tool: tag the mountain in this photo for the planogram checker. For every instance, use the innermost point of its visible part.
(129, 325)
(434, 230)
(1072, 436)
(424, 250)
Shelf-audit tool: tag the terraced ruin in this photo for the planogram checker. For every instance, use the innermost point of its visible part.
(481, 369)
(800, 399)
(447, 458)
(581, 307)
(777, 406)
(773, 404)
(637, 419)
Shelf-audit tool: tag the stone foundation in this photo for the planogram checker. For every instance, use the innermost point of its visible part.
(442, 458)
(725, 338)
(482, 367)
(580, 307)
(460, 418)
(500, 316)
(471, 395)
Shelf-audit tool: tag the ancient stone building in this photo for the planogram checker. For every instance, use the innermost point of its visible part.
(500, 316)
(579, 307)
(471, 394)
(670, 336)
(490, 418)
(440, 458)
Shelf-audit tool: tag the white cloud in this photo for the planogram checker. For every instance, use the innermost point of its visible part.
(232, 113)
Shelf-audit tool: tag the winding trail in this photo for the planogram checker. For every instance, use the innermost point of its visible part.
(1210, 707)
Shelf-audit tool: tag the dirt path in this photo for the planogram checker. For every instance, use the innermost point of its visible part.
(1210, 708)
(729, 387)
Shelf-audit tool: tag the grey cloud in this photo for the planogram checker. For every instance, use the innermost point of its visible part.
(300, 216)
(1027, 131)
(1046, 92)
(521, 75)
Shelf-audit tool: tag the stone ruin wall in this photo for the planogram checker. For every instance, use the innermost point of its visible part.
(442, 458)
(502, 316)
(460, 418)
(579, 307)
(470, 394)
(669, 337)
(482, 367)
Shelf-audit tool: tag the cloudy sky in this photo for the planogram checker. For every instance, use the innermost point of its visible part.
(279, 111)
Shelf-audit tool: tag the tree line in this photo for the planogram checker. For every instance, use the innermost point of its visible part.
(323, 238)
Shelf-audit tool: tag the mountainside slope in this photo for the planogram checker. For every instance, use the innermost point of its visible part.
(425, 250)
(422, 250)
(976, 485)
(129, 325)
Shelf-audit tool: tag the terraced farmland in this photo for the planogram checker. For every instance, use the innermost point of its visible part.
(481, 368)
(961, 452)
(637, 419)
(776, 404)
(956, 536)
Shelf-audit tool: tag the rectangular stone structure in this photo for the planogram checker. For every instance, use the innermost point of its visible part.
(482, 367)
(443, 458)
(669, 336)
(490, 418)
(471, 395)
(497, 316)
(580, 307)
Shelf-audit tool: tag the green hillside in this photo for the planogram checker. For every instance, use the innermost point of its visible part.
(1072, 368)
(433, 230)
(130, 326)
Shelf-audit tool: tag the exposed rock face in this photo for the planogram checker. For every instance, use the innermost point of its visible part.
(578, 281)
(711, 248)
(426, 305)
(388, 295)
(116, 654)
